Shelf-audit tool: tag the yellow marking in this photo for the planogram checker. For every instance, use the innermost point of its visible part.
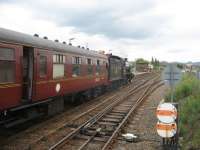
(10, 85)
(67, 79)
(5, 83)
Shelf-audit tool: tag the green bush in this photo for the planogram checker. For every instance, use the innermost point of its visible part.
(188, 86)
(189, 123)
(187, 94)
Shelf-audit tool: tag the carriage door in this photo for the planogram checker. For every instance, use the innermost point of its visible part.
(28, 61)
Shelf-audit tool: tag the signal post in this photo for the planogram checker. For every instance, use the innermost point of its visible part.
(167, 125)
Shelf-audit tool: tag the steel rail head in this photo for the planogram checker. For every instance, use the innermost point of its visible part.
(101, 113)
(147, 91)
(104, 102)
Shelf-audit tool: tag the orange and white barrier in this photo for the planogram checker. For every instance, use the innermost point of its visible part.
(166, 113)
(166, 130)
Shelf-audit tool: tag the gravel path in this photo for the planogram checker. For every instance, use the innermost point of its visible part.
(143, 124)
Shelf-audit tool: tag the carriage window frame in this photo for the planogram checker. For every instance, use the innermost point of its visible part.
(89, 63)
(98, 67)
(12, 61)
(103, 67)
(76, 65)
(59, 60)
(76, 60)
(46, 65)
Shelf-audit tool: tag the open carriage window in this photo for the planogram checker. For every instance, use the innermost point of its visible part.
(58, 66)
(7, 65)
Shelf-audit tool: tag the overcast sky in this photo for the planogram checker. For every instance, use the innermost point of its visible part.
(166, 29)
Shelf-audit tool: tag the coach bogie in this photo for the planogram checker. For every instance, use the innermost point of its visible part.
(55, 106)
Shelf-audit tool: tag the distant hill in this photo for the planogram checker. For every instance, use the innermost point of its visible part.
(196, 63)
(189, 62)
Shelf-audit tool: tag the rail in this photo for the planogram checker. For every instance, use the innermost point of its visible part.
(97, 117)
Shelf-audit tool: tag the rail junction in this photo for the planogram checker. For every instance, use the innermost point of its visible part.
(98, 126)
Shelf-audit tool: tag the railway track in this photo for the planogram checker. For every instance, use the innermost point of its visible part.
(46, 141)
(101, 129)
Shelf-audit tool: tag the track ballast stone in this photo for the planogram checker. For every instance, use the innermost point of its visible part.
(143, 124)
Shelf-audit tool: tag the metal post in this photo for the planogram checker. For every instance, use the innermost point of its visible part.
(177, 121)
(171, 82)
(135, 65)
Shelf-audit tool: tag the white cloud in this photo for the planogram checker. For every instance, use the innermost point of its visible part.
(168, 30)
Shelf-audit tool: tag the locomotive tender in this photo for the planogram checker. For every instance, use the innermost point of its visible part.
(38, 75)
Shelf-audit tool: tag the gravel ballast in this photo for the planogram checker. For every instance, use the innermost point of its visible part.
(143, 124)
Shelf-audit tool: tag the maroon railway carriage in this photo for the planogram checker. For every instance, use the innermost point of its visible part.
(36, 73)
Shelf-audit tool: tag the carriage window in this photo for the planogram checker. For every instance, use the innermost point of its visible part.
(103, 70)
(76, 60)
(43, 65)
(98, 67)
(98, 62)
(90, 67)
(89, 61)
(7, 65)
(76, 70)
(6, 54)
(58, 66)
